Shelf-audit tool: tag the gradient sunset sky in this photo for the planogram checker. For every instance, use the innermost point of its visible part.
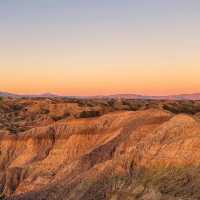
(93, 47)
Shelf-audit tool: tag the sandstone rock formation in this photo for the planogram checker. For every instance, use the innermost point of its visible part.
(151, 154)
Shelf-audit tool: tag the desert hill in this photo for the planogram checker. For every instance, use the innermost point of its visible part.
(146, 154)
(22, 114)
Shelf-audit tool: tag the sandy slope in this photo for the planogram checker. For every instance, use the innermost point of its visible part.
(79, 159)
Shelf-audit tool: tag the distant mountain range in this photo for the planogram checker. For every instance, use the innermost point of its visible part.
(193, 96)
(45, 95)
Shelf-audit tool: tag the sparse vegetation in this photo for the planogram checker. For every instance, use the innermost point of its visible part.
(88, 114)
(188, 107)
(60, 117)
(1, 101)
(23, 114)
(124, 155)
(170, 183)
(2, 197)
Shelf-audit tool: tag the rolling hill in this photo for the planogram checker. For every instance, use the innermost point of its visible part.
(150, 154)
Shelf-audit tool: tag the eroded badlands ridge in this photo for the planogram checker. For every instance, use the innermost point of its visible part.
(150, 154)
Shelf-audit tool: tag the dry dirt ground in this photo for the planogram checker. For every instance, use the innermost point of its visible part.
(99, 149)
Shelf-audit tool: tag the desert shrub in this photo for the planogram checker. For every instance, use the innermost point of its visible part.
(102, 189)
(80, 102)
(111, 102)
(59, 117)
(135, 106)
(90, 104)
(2, 197)
(44, 111)
(187, 107)
(88, 114)
(66, 114)
(14, 129)
(1, 101)
(191, 107)
(16, 107)
(119, 105)
(171, 108)
(126, 104)
(174, 181)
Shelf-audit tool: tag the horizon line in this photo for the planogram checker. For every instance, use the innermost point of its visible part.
(97, 95)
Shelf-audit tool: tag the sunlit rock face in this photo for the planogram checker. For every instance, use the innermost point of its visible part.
(147, 154)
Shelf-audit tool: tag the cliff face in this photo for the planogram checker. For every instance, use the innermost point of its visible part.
(151, 154)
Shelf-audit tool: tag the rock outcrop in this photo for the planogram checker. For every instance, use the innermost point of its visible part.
(146, 155)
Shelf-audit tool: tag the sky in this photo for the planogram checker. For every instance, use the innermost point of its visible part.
(95, 47)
